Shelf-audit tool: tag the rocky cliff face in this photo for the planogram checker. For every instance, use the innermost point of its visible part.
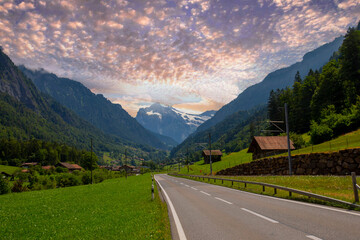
(14, 83)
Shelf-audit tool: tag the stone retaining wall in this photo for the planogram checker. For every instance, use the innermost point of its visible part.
(336, 163)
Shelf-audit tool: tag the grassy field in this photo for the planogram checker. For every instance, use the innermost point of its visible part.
(338, 187)
(8, 169)
(227, 161)
(349, 140)
(113, 209)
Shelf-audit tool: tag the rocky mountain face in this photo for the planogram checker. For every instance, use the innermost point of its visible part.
(95, 108)
(259, 93)
(171, 122)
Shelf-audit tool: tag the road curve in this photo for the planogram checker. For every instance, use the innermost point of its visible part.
(206, 211)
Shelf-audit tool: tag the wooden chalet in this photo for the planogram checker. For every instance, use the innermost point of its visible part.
(127, 168)
(69, 166)
(215, 156)
(29, 164)
(264, 146)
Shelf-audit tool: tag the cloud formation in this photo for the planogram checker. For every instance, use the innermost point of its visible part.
(195, 54)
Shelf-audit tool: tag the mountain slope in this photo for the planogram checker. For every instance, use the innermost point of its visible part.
(26, 113)
(259, 93)
(231, 134)
(110, 118)
(170, 122)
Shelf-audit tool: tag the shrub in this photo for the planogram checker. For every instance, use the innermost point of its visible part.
(67, 180)
(320, 133)
(19, 186)
(4, 186)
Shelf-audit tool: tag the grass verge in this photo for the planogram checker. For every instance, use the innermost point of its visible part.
(114, 209)
(8, 169)
(231, 160)
(338, 187)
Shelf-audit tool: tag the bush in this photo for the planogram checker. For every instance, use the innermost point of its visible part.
(86, 178)
(4, 186)
(320, 133)
(67, 180)
(19, 186)
(297, 139)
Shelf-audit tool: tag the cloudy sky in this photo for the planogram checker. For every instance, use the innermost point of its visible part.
(196, 55)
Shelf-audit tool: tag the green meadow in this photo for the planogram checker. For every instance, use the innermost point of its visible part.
(8, 169)
(230, 160)
(114, 209)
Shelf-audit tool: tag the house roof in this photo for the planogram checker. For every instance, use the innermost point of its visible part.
(128, 166)
(213, 153)
(270, 143)
(29, 164)
(46, 167)
(70, 166)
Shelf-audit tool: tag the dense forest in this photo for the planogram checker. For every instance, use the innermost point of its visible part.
(326, 103)
(14, 152)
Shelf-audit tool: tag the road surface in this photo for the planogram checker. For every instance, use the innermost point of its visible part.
(204, 211)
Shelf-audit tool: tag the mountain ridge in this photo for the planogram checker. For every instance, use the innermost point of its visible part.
(95, 108)
(258, 93)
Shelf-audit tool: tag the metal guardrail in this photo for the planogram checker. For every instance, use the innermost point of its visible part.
(290, 190)
(355, 187)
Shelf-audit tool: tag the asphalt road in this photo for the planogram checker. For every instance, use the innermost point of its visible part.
(204, 211)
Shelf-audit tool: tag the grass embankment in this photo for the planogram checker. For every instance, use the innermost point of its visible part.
(114, 209)
(338, 187)
(349, 140)
(8, 169)
(231, 160)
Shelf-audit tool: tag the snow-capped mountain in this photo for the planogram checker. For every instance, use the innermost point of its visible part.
(171, 122)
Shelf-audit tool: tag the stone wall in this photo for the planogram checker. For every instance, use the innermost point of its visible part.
(336, 163)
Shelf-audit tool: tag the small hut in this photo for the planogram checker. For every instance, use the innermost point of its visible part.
(215, 156)
(264, 146)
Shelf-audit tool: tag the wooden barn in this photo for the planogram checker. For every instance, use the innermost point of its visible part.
(264, 146)
(215, 156)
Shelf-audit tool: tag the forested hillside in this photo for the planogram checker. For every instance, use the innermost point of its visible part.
(326, 103)
(231, 135)
(27, 114)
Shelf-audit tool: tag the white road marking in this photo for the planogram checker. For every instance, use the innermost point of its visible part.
(181, 183)
(259, 215)
(296, 202)
(223, 200)
(313, 237)
(194, 188)
(176, 218)
(205, 193)
(187, 185)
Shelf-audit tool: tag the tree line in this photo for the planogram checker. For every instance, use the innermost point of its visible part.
(15, 152)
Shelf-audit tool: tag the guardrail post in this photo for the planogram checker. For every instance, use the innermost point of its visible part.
(263, 188)
(232, 183)
(222, 181)
(274, 191)
(356, 194)
(245, 185)
(290, 193)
